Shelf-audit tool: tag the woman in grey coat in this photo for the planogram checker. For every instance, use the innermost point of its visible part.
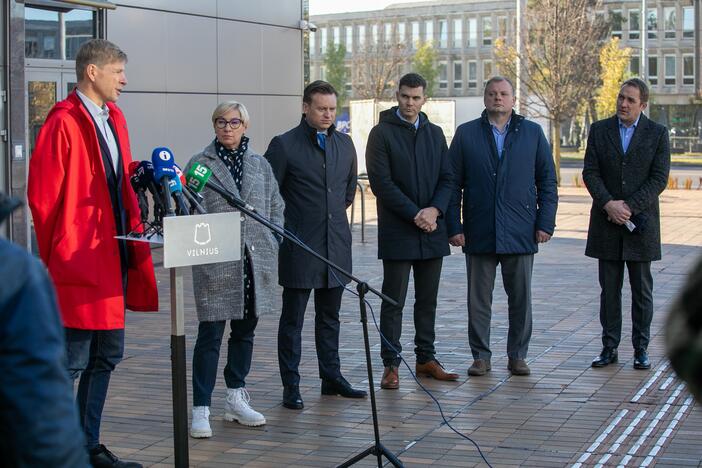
(236, 291)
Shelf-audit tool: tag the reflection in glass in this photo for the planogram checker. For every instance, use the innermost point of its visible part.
(42, 34)
(41, 96)
(80, 28)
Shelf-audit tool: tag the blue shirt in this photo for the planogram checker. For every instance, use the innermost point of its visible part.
(415, 123)
(500, 137)
(627, 132)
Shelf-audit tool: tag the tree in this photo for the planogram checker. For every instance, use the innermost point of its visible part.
(334, 62)
(560, 58)
(376, 69)
(424, 63)
(613, 66)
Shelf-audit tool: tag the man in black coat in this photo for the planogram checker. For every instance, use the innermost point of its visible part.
(627, 161)
(410, 175)
(315, 167)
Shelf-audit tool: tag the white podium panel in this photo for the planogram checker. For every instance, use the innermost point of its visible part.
(201, 239)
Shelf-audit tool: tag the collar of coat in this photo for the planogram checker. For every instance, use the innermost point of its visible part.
(224, 176)
(514, 122)
(312, 132)
(390, 116)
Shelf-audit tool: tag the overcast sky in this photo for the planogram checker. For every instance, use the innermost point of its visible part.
(322, 7)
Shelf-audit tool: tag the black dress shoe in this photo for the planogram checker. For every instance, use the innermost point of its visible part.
(607, 356)
(641, 360)
(340, 386)
(100, 457)
(292, 398)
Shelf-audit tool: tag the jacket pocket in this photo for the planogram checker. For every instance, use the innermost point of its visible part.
(74, 260)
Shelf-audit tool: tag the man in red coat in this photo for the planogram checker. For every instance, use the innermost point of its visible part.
(80, 199)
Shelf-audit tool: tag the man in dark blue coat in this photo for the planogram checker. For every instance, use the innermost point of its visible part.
(503, 166)
(410, 175)
(626, 168)
(38, 418)
(315, 166)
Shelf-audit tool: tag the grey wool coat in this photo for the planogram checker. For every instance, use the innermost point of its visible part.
(219, 287)
(638, 177)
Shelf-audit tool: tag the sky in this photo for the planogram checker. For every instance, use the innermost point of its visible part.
(323, 7)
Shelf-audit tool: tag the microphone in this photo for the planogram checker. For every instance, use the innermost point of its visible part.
(198, 177)
(162, 159)
(140, 191)
(193, 198)
(145, 171)
(176, 190)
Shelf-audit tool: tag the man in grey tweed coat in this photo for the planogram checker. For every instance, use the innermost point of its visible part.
(626, 168)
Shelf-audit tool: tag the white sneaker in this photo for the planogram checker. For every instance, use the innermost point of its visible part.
(236, 408)
(200, 426)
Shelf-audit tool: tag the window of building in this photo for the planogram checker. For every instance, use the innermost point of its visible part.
(670, 69)
(401, 38)
(615, 18)
(312, 43)
(322, 72)
(374, 34)
(443, 75)
(487, 30)
(634, 24)
(428, 30)
(669, 19)
(457, 74)
(472, 74)
(349, 39)
(472, 32)
(653, 70)
(323, 40)
(57, 36)
(502, 27)
(688, 21)
(415, 34)
(348, 85)
(487, 70)
(688, 69)
(443, 34)
(652, 23)
(458, 33)
(387, 33)
(336, 36)
(361, 35)
(635, 65)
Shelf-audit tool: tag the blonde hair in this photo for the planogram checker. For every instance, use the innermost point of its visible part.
(226, 106)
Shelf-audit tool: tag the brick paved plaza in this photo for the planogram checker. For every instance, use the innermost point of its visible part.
(563, 414)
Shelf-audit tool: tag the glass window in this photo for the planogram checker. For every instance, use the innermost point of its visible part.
(457, 74)
(635, 65)
(348, 85)
(669, 22)
(634, 24)
(374, 34)
(653, 70)
(349, 39)
(387, 33)
(472, 30)
(428, 30)
(443, 75)
(361, 35)
(323, 40)
(312, 46)
(652, 24)
(322, 72)
(443, 34)
(41, 96)
(472, 74)
(401, 33)
(502, 26)
(80, 28)
(487, 30)
(42, 34)
(615, 17)
(458, 33)
(336, 33)
(487, 70)
(415, 34)
(688, 69)
(669, 64)
(688, 21)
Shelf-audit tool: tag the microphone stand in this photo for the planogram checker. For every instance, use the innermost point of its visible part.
(377, 449)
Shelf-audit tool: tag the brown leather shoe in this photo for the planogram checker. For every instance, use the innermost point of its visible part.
(391, 378)
(479, 367)
(518, 367)
(436, 370)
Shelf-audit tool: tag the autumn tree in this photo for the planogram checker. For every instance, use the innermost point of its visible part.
(334, 62)
(560, 60)
(613, 71)
(376, 70)
(424, 63)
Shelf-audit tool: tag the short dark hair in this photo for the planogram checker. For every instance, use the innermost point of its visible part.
(317, 87)
(413, 80)
(497, 79)
(638, 83)
(99, 52)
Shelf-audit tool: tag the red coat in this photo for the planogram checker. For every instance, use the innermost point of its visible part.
(75, 226)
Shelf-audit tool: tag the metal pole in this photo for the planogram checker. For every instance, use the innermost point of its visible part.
(644, 34)
(180, 391)
(518, 84)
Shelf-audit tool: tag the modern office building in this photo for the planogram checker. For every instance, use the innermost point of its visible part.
(184, 57)
(464, 32)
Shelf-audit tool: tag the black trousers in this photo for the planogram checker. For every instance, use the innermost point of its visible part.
(327, 303)
(611, 282)
(426, 287)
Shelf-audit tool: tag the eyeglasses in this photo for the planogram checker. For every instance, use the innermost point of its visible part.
(222, 123)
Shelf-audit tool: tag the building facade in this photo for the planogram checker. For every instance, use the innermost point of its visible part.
(184, 57)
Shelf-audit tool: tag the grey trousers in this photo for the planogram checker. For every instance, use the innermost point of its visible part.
(516, 276)
(611, 281)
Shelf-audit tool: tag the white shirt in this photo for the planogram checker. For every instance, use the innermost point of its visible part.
(101, 114)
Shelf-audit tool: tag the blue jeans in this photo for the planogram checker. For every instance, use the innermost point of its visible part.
(206, 356)
(92, 355)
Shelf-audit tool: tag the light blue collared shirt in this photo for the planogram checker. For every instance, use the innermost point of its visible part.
(415, 123)
(500, 137)
(627, 132)
(101, 114)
